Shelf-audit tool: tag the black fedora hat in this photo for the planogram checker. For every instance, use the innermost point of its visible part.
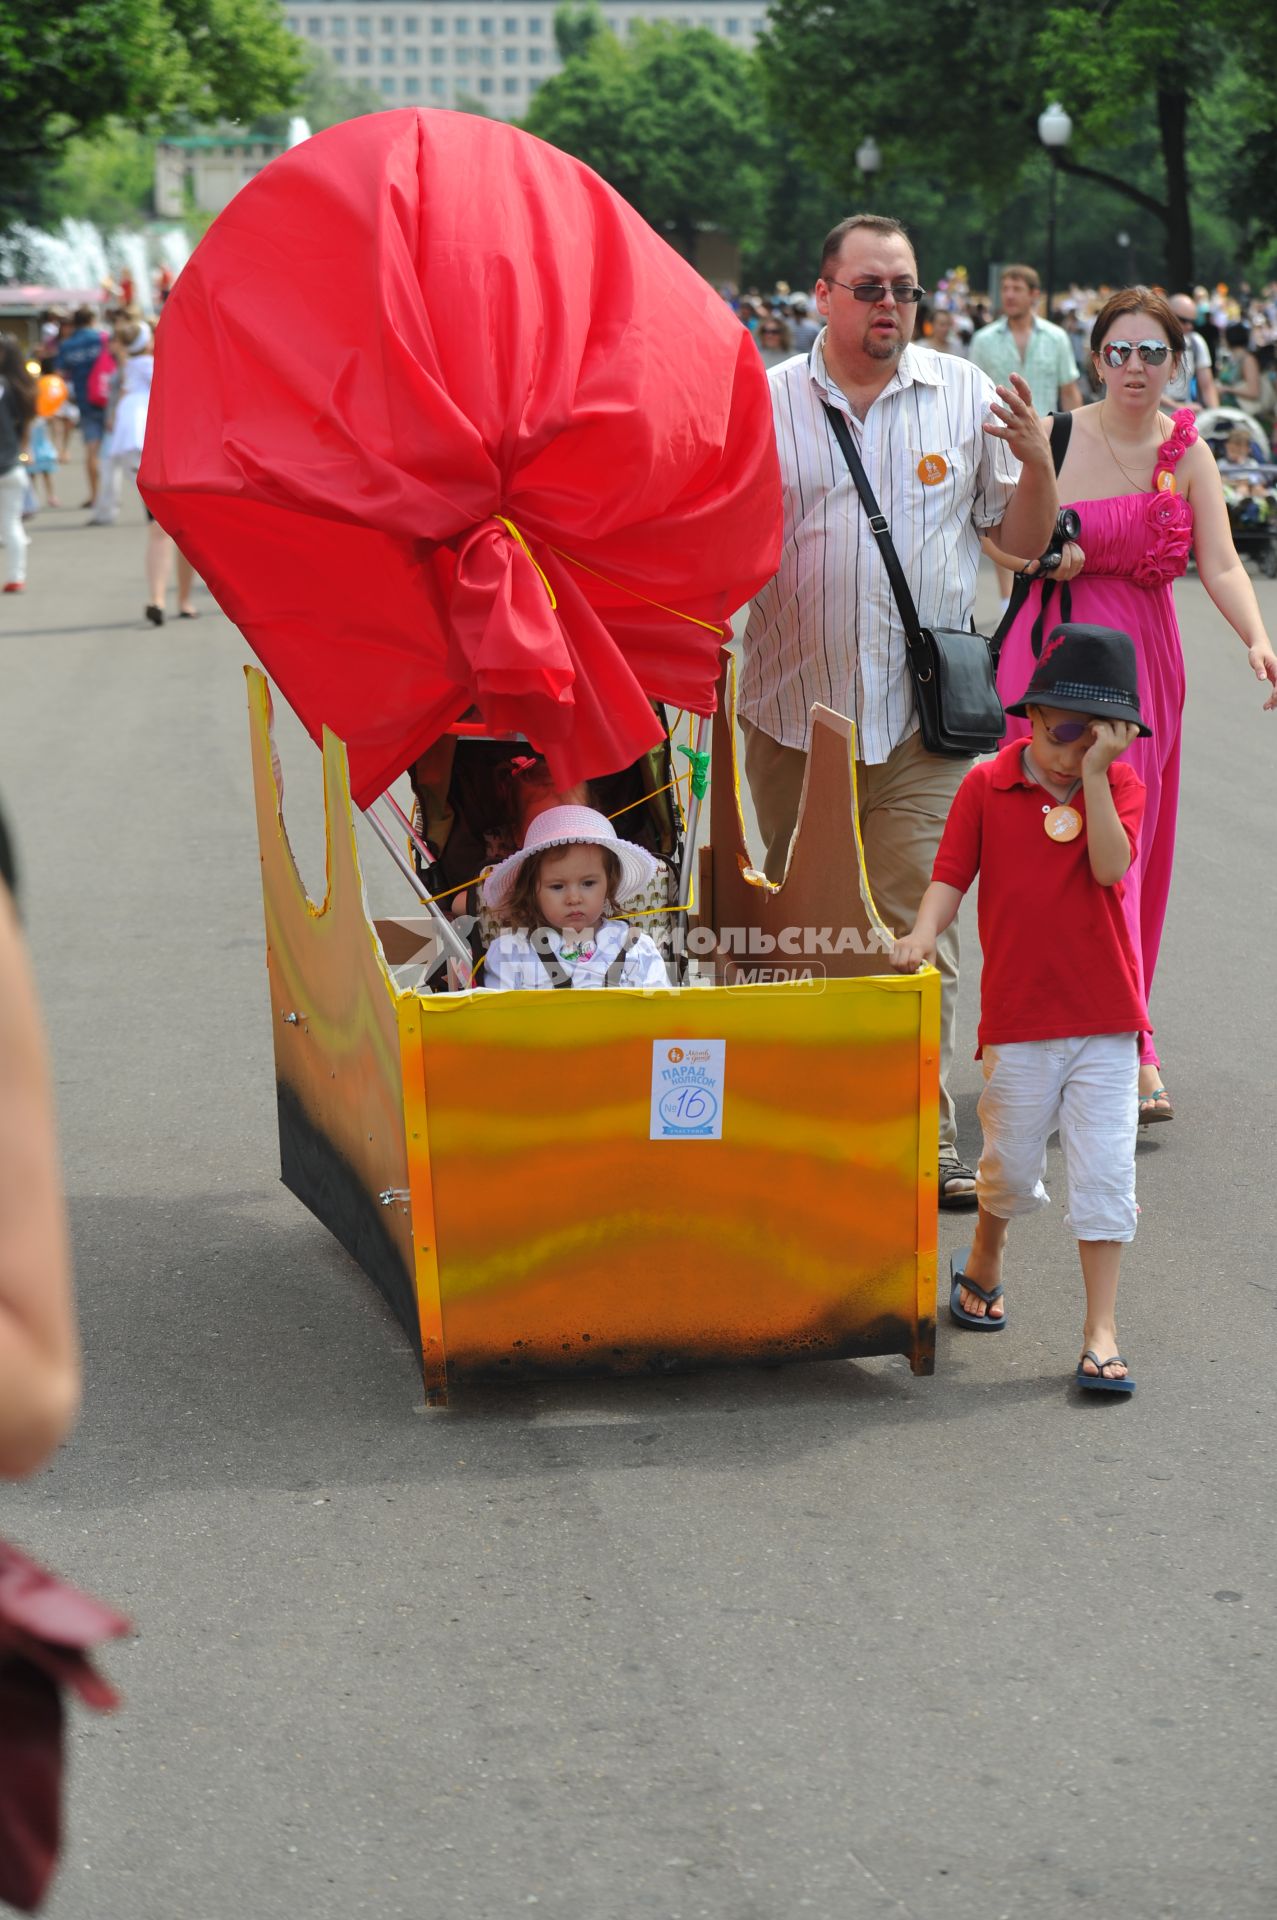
(1086, 670)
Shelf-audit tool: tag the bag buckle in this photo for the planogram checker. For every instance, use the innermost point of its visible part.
(878, 524)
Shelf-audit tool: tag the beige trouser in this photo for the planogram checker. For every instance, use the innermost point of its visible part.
(904, 804)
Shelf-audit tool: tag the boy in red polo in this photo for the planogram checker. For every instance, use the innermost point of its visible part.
(1051, 826)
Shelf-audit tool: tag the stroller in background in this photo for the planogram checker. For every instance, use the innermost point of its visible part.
(1250, 482)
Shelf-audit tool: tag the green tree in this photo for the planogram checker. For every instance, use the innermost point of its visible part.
(325, 97)
(68, 70)
(956, 97)
(109, 179)
(673, 119)
(575, 27)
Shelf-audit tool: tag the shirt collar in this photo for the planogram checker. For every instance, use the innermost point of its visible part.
(920, 364)
(1008, 768)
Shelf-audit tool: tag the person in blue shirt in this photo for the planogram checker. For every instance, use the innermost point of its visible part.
(75, 361)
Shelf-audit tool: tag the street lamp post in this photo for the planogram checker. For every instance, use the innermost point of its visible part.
(869, 157)
(1055, 130)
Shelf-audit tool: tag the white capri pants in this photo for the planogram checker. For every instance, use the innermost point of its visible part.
(1088, 1087)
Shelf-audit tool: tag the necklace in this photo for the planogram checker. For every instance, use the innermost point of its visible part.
(1062, 822)
(1135, 482)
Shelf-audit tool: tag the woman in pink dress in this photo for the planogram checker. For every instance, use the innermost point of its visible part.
(1146, 490)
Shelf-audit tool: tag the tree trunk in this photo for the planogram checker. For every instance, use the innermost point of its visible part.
(1172, 119)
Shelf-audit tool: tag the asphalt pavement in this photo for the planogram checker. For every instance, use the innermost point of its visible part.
(824, 1641)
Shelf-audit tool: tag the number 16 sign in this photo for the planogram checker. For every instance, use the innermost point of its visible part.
(687, 1089)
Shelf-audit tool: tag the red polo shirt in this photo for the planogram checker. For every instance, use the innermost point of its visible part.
(1058, 958)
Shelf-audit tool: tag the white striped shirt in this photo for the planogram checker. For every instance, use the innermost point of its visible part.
(826, 627)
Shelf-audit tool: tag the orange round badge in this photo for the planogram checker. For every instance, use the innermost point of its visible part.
(1166, 481)
(932, 469)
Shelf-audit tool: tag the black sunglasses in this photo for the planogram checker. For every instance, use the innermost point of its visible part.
(903, 292)
(1116, 353)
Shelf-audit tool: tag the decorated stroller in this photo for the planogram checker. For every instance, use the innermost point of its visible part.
(1249, 474)
(495, 509)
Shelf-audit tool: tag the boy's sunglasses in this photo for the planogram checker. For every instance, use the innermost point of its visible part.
(1116, 353)
(903, 292)
(1067, 732)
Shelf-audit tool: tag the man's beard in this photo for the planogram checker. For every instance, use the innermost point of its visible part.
(881, 349)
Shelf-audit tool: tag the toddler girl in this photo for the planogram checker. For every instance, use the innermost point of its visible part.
(557, 895)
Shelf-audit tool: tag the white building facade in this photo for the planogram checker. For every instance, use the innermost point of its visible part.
(494, 52)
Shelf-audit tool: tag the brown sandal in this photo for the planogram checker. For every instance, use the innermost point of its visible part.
(1155, 1106)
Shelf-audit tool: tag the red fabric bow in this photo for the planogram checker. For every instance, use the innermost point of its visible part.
(442, 422)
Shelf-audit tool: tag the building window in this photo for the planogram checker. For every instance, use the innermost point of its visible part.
(486, 23)
(315, 24)
(387, 56)
(387, 22)
(410, 23)
(337, 27)
(339, 55)
(731, 25)
(535, 56)
(363, 25)
(535, 86)
(510, 23)
(486, 87)
(293, 24)
(363, 56)
(412, 85)
(412, 56)
(462, 56)
(437, 56)
(461, 24)
(509, 56)
(437, 89)
(535, 24)
(436, 24)
(387, 85)
(509, 86)
(485, 56)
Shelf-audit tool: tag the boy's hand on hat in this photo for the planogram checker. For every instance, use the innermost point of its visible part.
(1263, 664)
(1109, 738)
(910, 953)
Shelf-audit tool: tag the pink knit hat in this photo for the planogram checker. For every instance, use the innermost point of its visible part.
(572, 827)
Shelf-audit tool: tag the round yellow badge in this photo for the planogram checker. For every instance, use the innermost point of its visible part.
(932, 469)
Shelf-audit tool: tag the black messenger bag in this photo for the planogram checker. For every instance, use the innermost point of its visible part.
(959, 712)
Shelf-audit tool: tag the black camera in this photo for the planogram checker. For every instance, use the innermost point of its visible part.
(1068, 526)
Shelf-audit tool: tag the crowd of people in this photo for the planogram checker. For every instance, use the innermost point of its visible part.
(1234, 329)
(88, 373)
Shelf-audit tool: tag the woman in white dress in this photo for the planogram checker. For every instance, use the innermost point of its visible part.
(134, 346)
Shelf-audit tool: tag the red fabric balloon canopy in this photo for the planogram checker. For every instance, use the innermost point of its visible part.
(443, 423)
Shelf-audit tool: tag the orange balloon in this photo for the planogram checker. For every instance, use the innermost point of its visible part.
(50, 392)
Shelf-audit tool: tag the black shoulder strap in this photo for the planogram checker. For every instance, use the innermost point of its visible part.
(1061, 428)
(612, 978)
(543, 947)
(882, 534)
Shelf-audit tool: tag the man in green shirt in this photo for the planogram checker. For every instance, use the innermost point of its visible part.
(1039, 351)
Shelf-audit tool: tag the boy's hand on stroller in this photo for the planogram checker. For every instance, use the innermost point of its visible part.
(1111, 737)
(912, 952)
(1263, 664)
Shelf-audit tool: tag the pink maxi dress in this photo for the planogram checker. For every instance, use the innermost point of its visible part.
(1135, 546)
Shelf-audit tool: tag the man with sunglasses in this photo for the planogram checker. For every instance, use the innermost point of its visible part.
(943, 450)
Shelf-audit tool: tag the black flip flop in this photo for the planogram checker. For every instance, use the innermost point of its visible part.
(978, 1322)
(1099, 1382)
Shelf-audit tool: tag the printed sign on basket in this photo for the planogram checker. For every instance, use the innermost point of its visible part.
(687, 1089)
